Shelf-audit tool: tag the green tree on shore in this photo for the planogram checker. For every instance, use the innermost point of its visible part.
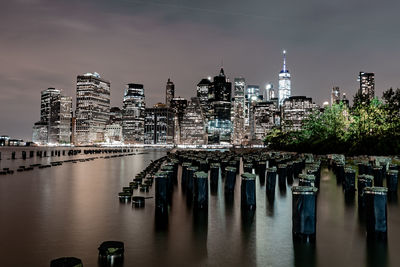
(370, 127)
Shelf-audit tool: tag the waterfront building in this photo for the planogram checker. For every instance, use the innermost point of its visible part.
(113, 133)
(284, 89)
(193, 126)
(203, 88)
(133, 114)
(295, 110)
(59, 131)
(40, 133)
(159, 125)
(367, 84)
(92, 108)
(169, 92)
(266, 117)
(46, 98)
(335, 95)
(55, 118)
(219, 126)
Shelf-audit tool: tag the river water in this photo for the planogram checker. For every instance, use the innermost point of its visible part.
(69, 210)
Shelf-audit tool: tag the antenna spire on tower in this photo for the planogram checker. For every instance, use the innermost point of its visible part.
(284, 60)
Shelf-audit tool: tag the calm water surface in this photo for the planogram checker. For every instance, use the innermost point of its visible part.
(70, 209)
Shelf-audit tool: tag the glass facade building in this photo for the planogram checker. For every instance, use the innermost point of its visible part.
(219, 128)
(169, 92)
(133, 114)
(367, 84)
(159, 125)
(193, 126)
(92, 108)
(284, 89)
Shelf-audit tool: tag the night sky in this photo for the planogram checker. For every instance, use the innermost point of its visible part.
(46, 43)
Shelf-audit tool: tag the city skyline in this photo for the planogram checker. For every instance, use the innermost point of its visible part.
(248, 38)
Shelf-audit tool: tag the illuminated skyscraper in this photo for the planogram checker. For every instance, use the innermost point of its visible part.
(133, 114)
(202, 94)
(269, 92)
(92, 108)
(60, 120)
(367, 84)
(46, 98)
(169, 93)
(284, 89)
(238, 111)
(159, 125)
(219, 98)
(193, 124)
(55, 118)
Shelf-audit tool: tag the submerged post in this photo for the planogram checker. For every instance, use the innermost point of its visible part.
(161, 192)
(214, 175)
(200, 192)
(271, 180)
(190, 178)
(184, 177)
(66, 262)
(349, 184)
(392, 180)
(304, 213)
(248, 191)
(230, 180)
(376, 212)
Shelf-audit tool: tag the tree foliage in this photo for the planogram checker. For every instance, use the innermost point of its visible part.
(370, 127)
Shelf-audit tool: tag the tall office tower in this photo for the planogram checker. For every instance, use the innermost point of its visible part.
(202, 94)
(367, 84)
(178, 105)
(252, 94)
(60, 120)
(193, 126)
(238, 111)
(169, 92)
(92, 108)
(335, 95)
(284, 89)
(46, 97)
(219, 98)
(133, 114)
(55, 118)
(268, 92)
(159, 125)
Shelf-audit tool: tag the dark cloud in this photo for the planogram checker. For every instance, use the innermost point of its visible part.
(46, 43)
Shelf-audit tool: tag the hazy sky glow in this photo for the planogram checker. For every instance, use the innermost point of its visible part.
(46, 43)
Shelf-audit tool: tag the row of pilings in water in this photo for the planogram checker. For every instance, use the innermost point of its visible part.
(201, 171)
(372, 195)
(110, 153)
